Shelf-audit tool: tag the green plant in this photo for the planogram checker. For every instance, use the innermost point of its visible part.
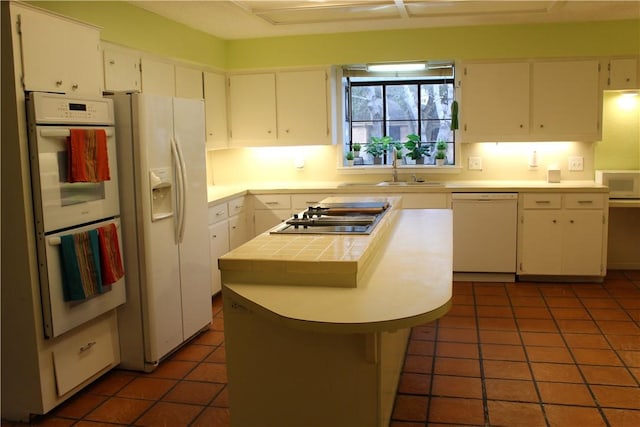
(349, 155)
(415, 147)
(441, 150)
(378, 145)
(356, 146)
(442, 146)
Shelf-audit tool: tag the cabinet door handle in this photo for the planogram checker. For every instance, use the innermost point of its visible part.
(271, 203)
(58, 82)
(87, 346)
(571, 221)
(554, 221)
(542, 202)
(219, 213)
(585, 202)
(74, 86)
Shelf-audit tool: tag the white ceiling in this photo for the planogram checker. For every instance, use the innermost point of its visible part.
(249, 19)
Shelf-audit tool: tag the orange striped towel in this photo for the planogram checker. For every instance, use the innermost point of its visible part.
(88, 160)
(110, 259)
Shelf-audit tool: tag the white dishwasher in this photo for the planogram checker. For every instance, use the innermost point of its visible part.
(484, 233)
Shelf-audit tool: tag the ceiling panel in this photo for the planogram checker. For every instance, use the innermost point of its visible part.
(249, 19)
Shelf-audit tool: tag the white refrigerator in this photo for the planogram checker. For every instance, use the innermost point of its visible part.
(163, 200)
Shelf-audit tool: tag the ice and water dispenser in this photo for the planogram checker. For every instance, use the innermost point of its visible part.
(161, 193)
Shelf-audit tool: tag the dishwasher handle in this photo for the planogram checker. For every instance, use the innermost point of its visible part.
(484, 196)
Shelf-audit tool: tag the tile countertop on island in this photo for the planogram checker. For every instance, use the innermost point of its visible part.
(393, 291)
(222, 193)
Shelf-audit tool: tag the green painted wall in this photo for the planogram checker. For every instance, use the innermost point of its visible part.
(479, 42)
(127, 25)
(620, 145)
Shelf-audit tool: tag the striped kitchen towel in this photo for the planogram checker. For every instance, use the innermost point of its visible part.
(110, 259)
(88, 160)
(81, 273)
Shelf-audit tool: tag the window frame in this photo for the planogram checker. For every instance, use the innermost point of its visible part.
(393, 80)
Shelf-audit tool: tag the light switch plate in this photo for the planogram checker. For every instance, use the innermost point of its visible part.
(576, 163)
(475, 163)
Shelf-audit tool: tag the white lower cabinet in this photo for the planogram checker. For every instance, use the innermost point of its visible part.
(218, 241)
(562, 234)
(269, 210)
(85, 353)
(300, 202)
(219, 245)
(228, 229)
(238, 222)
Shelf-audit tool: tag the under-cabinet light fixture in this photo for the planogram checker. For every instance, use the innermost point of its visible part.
(408, 66)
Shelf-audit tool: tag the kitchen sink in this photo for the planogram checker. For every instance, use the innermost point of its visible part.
(394, 184)
(410, 183)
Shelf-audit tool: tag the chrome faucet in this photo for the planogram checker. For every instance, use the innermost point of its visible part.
(394, 164)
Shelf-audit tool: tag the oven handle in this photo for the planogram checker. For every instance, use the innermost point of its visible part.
(55, 241)
(65, 133)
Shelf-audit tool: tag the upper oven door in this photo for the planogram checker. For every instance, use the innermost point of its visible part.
(63, 204)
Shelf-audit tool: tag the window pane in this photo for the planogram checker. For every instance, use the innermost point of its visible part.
(436, 130)
(402, 102)
(435, 101)
(399, 129)
(366, 103)
(363, 131)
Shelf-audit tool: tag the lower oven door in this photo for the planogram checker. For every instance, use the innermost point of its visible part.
(61, 204)
(59, 315)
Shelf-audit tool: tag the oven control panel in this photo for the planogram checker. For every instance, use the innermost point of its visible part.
(50, 108)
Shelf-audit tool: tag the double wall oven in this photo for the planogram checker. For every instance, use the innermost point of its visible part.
(65, 209)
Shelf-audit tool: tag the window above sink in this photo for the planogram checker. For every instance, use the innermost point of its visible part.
(396, 105)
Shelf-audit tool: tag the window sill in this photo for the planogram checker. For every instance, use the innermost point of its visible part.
(402, 169)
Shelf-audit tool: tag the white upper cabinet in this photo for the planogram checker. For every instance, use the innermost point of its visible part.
(58, 54)
(623, 74)
(158, 77)
(121, 71)
(188, 82)
(215, 107)
(252, 104)
(566, 100)
(303, 107)
(495, 97)
(284, 107)
(531, 101)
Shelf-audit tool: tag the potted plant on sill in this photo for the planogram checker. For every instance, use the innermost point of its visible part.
(441, 153)
(377, 147)
(356, 149)
(416, 150)
(349, 157)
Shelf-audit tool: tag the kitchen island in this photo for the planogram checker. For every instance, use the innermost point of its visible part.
(308, 354)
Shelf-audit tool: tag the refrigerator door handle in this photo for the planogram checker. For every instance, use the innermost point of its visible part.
(182, 188)
(179, 188)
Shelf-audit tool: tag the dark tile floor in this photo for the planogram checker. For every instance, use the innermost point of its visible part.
(519, 354)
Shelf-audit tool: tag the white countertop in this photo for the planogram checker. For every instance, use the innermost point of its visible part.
(219, 194)
(408, 282)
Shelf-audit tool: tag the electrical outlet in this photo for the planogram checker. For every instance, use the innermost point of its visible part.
(576, 163)
(475, 163)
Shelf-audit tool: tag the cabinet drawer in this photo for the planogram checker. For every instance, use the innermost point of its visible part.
(236, 206)
(271, 201)
(542, 201)
(300, 202)
(218, 213)
(80, 356)
(584, 201)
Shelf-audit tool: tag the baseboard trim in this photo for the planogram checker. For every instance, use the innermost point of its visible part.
(484, 277)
